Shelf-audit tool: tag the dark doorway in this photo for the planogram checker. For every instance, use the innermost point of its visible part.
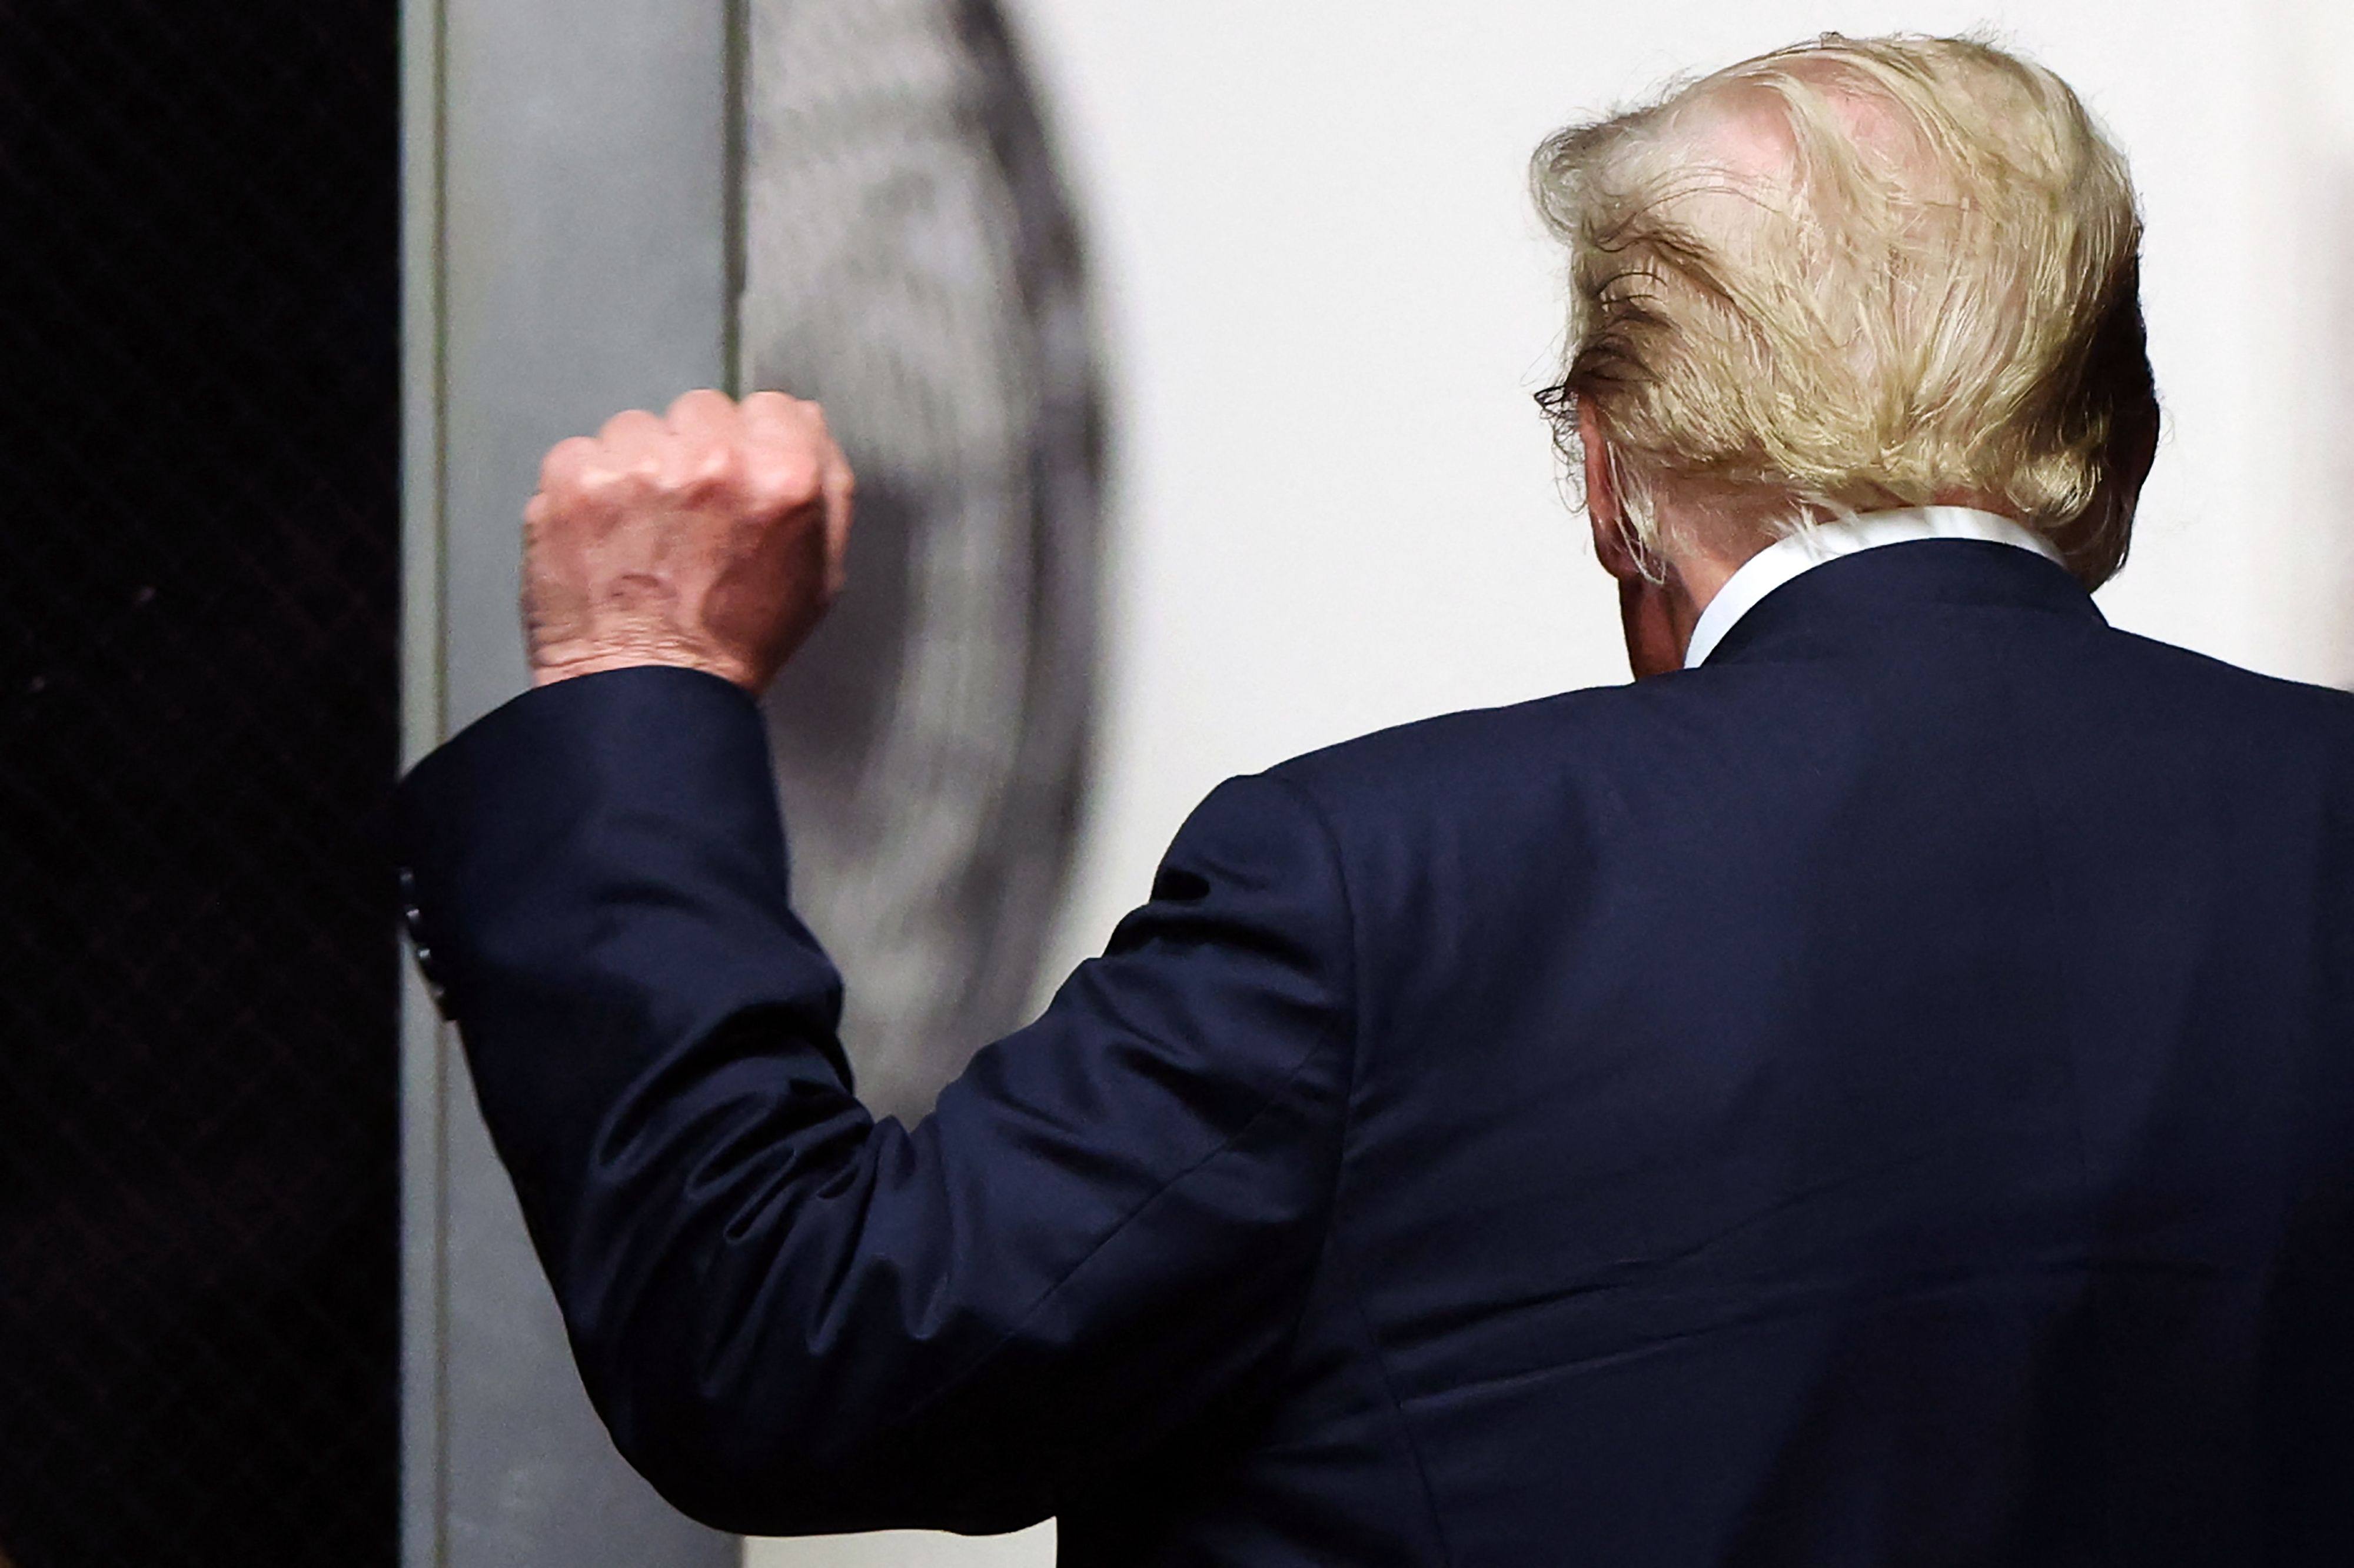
(198, 554)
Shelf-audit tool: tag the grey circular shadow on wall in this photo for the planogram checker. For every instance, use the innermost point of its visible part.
(912, 262)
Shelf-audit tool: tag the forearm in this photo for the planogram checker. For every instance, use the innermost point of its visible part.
(793, 1318)
(604, 887)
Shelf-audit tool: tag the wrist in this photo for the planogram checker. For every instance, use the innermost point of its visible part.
(547, 668)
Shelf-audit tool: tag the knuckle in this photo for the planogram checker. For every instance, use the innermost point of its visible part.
(787, 480)
(697, 471)
(618, 481)
(600, 480)
(767, 405)
(565, 460)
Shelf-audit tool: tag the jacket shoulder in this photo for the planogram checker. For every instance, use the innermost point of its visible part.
(1469, 753)
(2211, 692)
(1597, 733)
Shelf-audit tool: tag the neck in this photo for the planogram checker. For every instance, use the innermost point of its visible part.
(1698, 578)
(1659, 616)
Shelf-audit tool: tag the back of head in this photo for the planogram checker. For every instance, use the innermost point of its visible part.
(1858, 274)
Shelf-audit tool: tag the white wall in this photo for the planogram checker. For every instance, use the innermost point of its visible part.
(1327, 305)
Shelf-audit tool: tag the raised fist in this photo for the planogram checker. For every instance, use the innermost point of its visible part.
(711, 539)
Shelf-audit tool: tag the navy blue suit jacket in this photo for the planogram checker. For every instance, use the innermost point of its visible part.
(1886, 1097)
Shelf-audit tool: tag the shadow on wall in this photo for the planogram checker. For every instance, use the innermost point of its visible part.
(911, 261)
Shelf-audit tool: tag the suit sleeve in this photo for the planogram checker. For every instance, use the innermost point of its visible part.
(793, 1318)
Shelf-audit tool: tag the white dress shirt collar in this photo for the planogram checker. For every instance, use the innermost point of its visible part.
(1787, 558)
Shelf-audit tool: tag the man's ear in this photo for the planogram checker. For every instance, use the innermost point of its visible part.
(2137, 449)
(1604, 507)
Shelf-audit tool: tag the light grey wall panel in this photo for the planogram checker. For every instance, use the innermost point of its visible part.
(586, 224)
(569, 237)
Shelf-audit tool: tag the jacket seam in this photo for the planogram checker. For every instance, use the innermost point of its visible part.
(1330, 1239)
(1335, 1247)
(2040, 801)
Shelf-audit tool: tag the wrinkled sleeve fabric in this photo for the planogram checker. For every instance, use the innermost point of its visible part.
(793, 1318)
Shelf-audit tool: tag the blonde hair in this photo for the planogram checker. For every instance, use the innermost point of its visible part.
(1856, 274)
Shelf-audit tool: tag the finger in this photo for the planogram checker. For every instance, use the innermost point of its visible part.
(769, 414)
(631, 439)
(841, 494)
(704, 416)
(561, 470)
(774, 419)
(704, 428)
(629, 424)
(784, 450)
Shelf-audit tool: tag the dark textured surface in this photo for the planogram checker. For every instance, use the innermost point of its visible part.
(198, 543)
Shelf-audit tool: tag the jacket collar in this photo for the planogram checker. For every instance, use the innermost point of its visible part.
(1895, 582)
(1787, 559)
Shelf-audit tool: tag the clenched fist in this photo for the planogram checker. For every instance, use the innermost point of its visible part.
(711, 539)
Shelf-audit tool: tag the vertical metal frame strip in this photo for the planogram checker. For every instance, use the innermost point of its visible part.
(737, 48)
(423, 718)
